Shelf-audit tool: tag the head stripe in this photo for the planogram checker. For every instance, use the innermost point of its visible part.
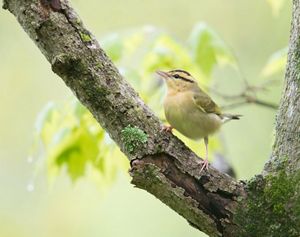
(181, 74)
(180, 70)
(185, 79)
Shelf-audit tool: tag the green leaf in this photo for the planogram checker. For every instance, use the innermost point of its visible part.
(75, 162)
(276, 63)
(75, 151)
(208, 49)
(73, 139)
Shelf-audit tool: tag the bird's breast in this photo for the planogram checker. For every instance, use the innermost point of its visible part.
(184, 115)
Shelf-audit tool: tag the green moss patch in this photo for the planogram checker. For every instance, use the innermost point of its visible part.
(272, 207)
(133, 138)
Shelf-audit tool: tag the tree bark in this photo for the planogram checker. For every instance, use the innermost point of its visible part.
(211, 201)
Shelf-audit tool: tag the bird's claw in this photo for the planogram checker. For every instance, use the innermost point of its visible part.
(204, 165)
(167, 128)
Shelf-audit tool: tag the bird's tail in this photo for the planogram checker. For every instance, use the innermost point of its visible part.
(228, 117)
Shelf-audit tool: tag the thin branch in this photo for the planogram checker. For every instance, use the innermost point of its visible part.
(248, 96)
(265, 104)
(250, 100)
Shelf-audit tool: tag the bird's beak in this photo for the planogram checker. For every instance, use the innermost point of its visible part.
(164, 75)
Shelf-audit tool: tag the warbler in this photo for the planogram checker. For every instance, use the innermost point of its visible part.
(190, 110)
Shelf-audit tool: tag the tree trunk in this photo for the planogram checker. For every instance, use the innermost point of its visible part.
(212, 202)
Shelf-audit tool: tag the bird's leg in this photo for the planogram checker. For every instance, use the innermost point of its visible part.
(167, 128)
(205, 161)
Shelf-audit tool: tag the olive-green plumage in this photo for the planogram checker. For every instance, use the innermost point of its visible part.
(186, 112)
(189, 109)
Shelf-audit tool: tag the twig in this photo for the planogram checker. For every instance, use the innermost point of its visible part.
(256, 101)
(247, 96)
(266, 104)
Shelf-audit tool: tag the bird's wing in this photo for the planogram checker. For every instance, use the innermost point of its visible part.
(205, 103)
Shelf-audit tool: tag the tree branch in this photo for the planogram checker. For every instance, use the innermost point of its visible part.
(287, 143)
(163, 165)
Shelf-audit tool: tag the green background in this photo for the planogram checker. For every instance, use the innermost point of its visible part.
(29, 206)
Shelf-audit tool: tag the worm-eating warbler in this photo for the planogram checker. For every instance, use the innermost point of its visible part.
(190, 110)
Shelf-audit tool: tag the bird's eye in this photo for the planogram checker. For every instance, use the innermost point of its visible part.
(176, 76)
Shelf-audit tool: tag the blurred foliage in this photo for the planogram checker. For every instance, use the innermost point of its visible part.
(70, 135)
(276, 63)
(72, 138)
(206, 44)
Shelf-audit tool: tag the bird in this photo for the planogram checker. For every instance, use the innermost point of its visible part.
(190, 110)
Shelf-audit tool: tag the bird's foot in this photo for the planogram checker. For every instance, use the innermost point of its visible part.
(167, 128)
(204, 165)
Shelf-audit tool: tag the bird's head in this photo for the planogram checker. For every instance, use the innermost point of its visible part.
(178, 80)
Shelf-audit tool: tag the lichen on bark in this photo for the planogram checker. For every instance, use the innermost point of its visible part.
(133, 138)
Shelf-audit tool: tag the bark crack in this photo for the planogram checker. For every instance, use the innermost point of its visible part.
(214, 203)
